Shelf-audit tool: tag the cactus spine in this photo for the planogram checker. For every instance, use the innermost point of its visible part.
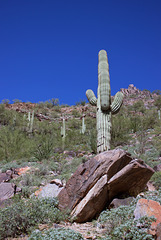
(103, 103)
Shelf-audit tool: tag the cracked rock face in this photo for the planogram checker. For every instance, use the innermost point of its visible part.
(96, 182)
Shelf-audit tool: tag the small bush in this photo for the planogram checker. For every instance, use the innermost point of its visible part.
(156, 179)
(22, 216)
(44, 148)
(120, 224)
(56, 234)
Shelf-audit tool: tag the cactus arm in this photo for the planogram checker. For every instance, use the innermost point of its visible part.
(117, 103)
(91, 97)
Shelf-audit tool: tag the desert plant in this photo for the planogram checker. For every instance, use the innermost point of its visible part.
(83, 129)
(56, 234)
(103, 102)
(22, 216)
(120, 224)
(44, 147)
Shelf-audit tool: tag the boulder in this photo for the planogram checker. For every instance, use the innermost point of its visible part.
(93, 203)
(149, 208)
(7, 191)
(132, 179)
(48, 191)
(4, 177)
(88, 173)
(157, 168)
(96, 182)
(117, 202)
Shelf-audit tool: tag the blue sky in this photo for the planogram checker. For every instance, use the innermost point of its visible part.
(49, 49)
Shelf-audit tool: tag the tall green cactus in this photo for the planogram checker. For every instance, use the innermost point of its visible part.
(103, 103)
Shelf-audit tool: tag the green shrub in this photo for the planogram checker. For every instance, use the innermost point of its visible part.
(22, 216)
(56, 234)
(12, 144)
(44, 147)
(120, 224)
(156, 179)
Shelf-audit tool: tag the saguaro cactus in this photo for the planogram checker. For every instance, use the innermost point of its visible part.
(63, 133)
(82, 131)
(103, 103)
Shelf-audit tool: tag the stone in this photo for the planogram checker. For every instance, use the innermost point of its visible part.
(117, 202)
(48, 191)
(92, 203)
(88, 173)
(4, 177)
(7, 191)
(145, 207)
(99, 180)
(157, 168)
(132, 179)
(58, 182)
(20, 171)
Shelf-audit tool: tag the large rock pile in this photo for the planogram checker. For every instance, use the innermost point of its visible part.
(99, 180)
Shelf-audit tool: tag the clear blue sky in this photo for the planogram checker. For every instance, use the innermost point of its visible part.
(49, 49)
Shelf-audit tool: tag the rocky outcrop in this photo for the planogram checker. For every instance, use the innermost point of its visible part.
(133, 94)
(97, 181)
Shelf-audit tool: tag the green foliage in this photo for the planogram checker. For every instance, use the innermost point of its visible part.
(44, 147)
(93, 140)
(156, 179)
(6, 116)
(120, 224)
(157, 91)
(17, 101)
(5, 101)
(138, 106)
(56, 234)
(76, 113)
(120, 130)
(81, 103)
(22, 216)
(11, 142)
(158, 102)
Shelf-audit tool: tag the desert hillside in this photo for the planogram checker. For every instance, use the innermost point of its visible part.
(43, 144)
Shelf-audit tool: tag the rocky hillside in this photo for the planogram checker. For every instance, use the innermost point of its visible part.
(133, 94)
(38, 159)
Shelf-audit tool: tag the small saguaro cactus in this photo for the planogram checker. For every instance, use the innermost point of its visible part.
(103, 102)
(82, 131)
(63, 134)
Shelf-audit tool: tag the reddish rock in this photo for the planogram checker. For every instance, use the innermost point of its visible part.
(93, 203)
(88, 173)
(132, 179)
(22, 170)
(97, 181)
(149, 208)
